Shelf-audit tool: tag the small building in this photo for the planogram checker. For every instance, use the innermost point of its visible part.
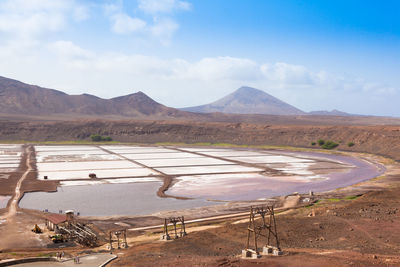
(70, 215)
(92, 175)
(53, 221)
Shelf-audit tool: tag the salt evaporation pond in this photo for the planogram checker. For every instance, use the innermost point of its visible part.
(108, 199)
(300, 178)
(199, 173)
(3, 201)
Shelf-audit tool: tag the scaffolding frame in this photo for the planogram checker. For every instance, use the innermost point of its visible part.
(174, 221)
(79, 232)
(121, 241)
(266, 229)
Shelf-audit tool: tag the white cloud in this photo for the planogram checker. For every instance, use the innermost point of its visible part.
(287, 73)
(378, 89)
(72, 55)
(199, 79)
(161, 25)
(124, 24)
(178, 82)
(27, 19)
(163, 6)
(80, 13)
(223, 68)
(164, 29)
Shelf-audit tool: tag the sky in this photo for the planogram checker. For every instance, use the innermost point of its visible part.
(315, 55)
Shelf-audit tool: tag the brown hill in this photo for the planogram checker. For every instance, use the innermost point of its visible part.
(24, 99)
(21, 102)
(129, 104)
(376, 139)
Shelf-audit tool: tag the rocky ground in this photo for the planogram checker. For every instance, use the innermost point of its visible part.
(350, 232)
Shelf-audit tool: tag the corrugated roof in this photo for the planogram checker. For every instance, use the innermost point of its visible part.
(57, 218)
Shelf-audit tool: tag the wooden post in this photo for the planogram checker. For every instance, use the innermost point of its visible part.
(166, 234)
(125, 242)
(249, 229)
(275, 229)
(174, 223)
(183, 227)
(111, 241)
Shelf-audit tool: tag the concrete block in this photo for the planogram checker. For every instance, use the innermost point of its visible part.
(246, 254)
(249, 254)
(165, 237)
(267, 250)
(277, 252)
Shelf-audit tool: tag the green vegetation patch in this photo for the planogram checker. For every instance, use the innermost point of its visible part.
(333, 199)
(99, 138)
(352, 197)
(350, 144)
(340, 199)
(329, 145)
(321, 142)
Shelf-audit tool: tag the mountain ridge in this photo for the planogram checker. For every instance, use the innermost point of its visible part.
(20, 98)
(333, 112)
(244, 104)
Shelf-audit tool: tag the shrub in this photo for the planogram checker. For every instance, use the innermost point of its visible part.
(350, 144)
(96, 137)
(99, 138)
(321, 142)
(313, 143)
(329, 145)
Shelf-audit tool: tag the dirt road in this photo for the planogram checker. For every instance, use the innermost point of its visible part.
(13, 206)
(15, 224)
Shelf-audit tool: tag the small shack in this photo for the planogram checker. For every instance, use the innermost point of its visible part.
(53, 221)
(70, 215)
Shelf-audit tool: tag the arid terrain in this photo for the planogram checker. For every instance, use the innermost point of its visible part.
(366, 135)
(354, 226)
(360, 232)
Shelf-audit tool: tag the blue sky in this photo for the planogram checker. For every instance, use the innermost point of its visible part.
(316, 55)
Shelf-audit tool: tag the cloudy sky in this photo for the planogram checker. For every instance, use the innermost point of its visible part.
(316, 55)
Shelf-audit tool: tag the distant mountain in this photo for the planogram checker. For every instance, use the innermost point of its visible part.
(20, 98)
(144, 104)
(23, 100)
(247, 100)
(334, 112)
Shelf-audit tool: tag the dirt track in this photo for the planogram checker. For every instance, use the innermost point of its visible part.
(13, 203)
